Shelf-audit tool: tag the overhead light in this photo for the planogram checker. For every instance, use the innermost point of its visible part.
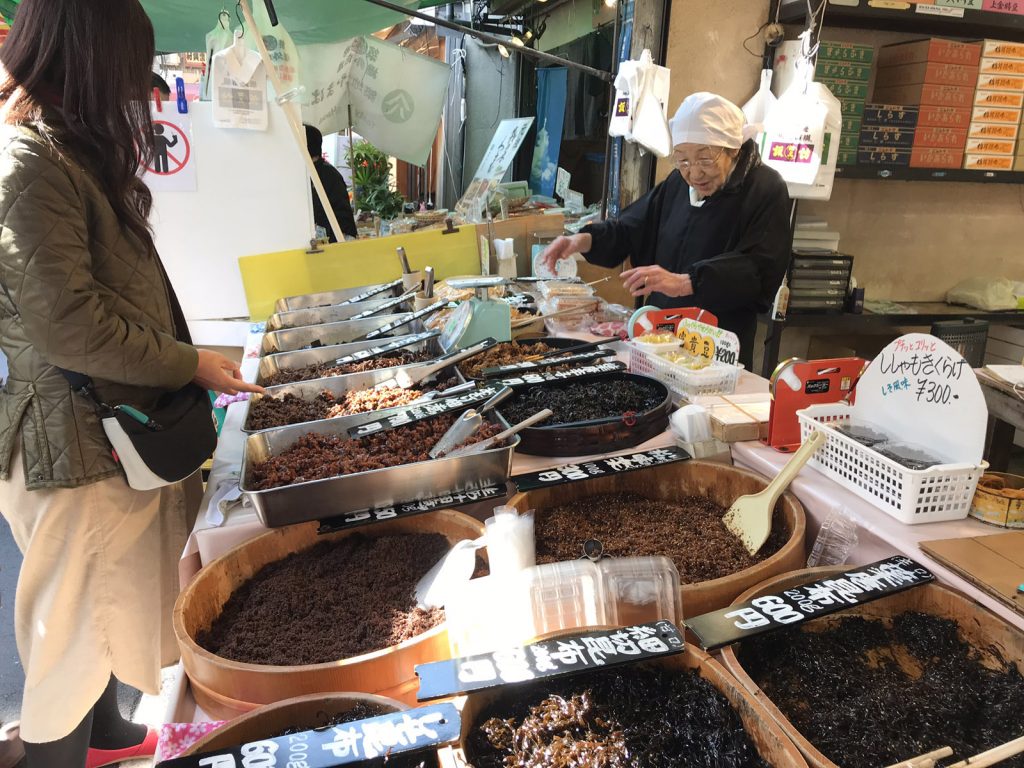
(610, 3)
(528, 35)
(517, 41)
(503, 51)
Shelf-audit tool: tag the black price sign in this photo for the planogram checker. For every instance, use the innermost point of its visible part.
(383, 307)
(355, 743)
(365, 354)
(610, 465)
(549, 659)
(385, 330)
(807, 601)
(372, 292)
(410, 508)
(570, 375)
(513, 368)
(426, 411)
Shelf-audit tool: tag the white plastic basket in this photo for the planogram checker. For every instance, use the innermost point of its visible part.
(716, 379)
(942, 492)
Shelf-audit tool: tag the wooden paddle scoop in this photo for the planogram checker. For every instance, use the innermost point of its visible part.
(750, 517)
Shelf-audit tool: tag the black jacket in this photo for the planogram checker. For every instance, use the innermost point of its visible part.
(337, 194)
(736, 247)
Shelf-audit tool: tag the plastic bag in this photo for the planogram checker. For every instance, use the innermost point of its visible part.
(794, 134)
(989, 293)
(217, 39)
(821, 187)
(758, 107)
(640, 114)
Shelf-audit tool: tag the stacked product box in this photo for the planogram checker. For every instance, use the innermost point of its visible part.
(934, 80)
(845, 69)
(998, 106)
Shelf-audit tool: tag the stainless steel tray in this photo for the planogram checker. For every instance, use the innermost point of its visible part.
(339, 386)
(292, 339)
(281, 361)
(297, 318)
(325, 299)
(322, 499)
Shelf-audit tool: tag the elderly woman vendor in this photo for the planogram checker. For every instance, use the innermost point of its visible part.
(716, 234)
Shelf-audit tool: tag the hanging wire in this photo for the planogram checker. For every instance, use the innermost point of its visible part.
(241, 20)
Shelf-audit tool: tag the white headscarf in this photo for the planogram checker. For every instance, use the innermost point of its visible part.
(707, 118)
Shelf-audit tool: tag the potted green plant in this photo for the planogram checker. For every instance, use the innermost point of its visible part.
(371, 179)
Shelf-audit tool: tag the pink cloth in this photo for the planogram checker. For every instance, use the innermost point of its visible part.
(175, 738)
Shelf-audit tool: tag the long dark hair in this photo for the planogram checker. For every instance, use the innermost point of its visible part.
(92, 60)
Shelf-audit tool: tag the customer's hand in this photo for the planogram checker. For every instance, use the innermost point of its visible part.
(220, 374)
(564, 247)
(643, 281)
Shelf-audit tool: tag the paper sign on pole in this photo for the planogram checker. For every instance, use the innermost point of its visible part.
(239, 89)
(396, 96)
(174, 163)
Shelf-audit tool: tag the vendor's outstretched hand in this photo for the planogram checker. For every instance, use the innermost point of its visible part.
(564, 247)
(643, 281)
(220, 374)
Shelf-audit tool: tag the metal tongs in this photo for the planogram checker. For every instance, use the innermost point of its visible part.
(467, 425)
(407, 378)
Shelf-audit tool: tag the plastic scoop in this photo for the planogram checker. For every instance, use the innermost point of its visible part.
(407, 378)
(490, 442)
(450, 572)
(750, 517)
(466, 425)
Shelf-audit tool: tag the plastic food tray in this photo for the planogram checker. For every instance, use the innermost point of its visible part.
(942, 492)
(716, 379)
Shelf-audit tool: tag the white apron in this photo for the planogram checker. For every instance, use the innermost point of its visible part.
(95, 592)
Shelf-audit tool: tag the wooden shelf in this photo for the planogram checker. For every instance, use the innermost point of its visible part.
(903, 173)
(973, 24)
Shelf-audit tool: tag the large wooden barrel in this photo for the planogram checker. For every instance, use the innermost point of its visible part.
(226, 688)
(772, 743)
(306, 712)
(719, 482)
(978, 626)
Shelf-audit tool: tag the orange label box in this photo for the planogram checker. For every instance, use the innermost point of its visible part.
(993, 131)
(988, 162)
(1007, 99)
(926, 72)
(995, 115)
(927, 94)
(936, 157)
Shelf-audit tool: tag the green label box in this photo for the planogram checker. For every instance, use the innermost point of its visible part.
(845, 89)
(852, 108)
(837, 70)
(830, 50)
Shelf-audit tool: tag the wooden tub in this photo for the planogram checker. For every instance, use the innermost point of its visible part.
(772, 743)
(978, 626)
(719, 482)
(226, 688)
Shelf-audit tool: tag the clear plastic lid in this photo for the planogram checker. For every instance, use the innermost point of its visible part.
(640, 589)
(564, 596)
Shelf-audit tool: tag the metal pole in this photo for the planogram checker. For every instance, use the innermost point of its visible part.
(611, 106)
(352, 161)
(608, 77)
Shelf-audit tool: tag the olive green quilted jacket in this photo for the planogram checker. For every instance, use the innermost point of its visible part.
(79, 293)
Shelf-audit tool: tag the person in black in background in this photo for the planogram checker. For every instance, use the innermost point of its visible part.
(334, 184)
(715, 234)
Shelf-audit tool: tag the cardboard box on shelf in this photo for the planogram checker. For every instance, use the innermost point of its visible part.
(883, 155)
(852, 108)
(940, 136)
(849, 141)
(846, 157)
(933, 49)
(993, 131)
(903, 115)
(936, 157)
(737, 418)
(883, 136)
(990, 147)
(926, 72)
(1007, 99)
(845, 89)
(926, 94)
(948, 117)
(1018, 163)
(842, 70)
(1001, 82)
(831, 50)
(988, 162)
(1002, 49)
(995, 115)
(851, 124)
(994, 66)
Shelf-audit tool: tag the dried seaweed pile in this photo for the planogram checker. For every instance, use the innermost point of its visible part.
(636, 718)
(848, 689)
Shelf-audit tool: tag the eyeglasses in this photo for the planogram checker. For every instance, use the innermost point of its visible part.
(704, 163)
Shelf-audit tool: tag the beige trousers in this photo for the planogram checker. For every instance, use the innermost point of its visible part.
(95, 593)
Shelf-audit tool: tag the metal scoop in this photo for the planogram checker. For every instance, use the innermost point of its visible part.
(407, 378)
(485, 445)
(466, 425)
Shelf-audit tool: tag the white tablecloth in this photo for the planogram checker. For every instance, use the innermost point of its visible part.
(879, 535)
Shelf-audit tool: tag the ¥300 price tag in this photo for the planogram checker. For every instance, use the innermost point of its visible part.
(807, 601)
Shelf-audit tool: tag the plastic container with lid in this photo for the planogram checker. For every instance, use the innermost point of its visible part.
(564, 595)
(639, 590)
(511, 546)
(657, 342)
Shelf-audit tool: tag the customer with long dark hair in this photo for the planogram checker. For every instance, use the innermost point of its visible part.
(83, 290)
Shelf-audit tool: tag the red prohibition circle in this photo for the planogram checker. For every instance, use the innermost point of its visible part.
(178, 131)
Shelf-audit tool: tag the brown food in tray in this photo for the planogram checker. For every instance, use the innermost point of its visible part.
(322, 370)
